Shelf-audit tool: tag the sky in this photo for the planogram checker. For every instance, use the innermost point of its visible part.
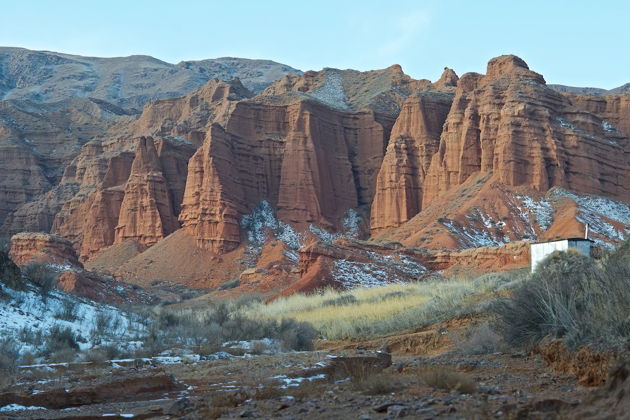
(577, 43)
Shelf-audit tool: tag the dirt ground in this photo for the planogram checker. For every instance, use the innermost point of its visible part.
(329, 383)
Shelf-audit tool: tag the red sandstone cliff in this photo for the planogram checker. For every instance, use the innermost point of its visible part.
(510, 124)
(450, 164)
(414, 140)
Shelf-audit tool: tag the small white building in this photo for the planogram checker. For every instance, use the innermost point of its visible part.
(540, 250)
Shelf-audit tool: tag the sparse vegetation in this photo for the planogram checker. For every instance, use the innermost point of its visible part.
(5, 244)
(10, 273)
(206, 329)
(41, 275)
(439, 377)
(573, 297)
(380, 311)
(480, 339)
(9, 355)
(68, 311)
(60, 340)
(377, 384)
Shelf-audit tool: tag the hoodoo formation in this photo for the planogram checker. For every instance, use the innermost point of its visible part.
(372, 158)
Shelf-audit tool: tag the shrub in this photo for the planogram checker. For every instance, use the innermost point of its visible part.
(102, 324)
(10, 273)
(572, 297)
(377, 384)
(481, 339)
(60, 339)
(297, 335)
(102, 354)
(68, 310)
(41, 275)
(9, 354)
(31, 336)
(206, 329)
(448, 380)
(5, 244)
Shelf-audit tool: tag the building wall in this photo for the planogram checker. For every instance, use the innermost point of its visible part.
(540, 251)
(584, 247)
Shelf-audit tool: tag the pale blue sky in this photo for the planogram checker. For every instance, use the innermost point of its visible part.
(580, 43)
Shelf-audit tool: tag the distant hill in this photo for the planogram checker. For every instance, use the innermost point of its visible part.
(129, 82)
(590, 90)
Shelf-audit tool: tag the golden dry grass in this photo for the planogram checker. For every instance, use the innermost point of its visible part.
(380, 311)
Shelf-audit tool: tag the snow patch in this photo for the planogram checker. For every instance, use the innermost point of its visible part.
(268, 345)
(18, 407)
(262, 222)
(593, 209)
(608, 127)
(293, 382)
(331, 92)
(542, 210)
(470, 237)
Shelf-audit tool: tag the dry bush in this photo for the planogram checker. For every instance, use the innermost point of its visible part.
(206, 329)
(9, 353)
(60, 342)
(377, 384)
(572, 297)
(296, 335)
(28, 358)
(65, 355)
(68, 311)
(481, 339)
(228, 399)
(102, 353)
(306, 390)
(442, 378)
(10, 273)
(41, 275)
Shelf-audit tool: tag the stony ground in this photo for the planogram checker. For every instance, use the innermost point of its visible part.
(300, 385)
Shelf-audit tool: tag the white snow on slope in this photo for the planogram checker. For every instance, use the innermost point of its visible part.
(472, 238)
(261, 222)
(593, 209)
(24, 312)
(382, 271)
(542, 210)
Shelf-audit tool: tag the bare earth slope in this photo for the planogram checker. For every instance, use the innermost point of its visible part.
(129, 82)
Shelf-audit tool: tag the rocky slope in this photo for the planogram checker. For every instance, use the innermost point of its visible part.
(476, 161)
(129, 82)
(37, 142)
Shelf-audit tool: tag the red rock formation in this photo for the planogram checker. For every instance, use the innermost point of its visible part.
(146, 212)
(123, 195)
(310, 162)
(414, 140)
(190, 116)
(102, 288)
(614, 112)
(510, 124)
(27, 247)
(22, 177)
(483, 259)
